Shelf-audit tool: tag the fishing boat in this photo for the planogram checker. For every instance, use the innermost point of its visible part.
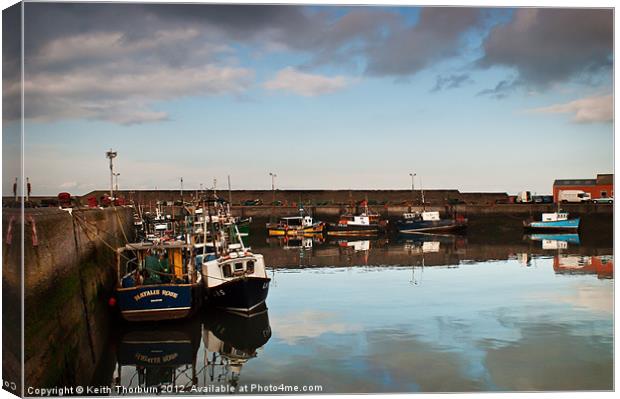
(364, 223)
(234, 277)
(296, 226)
(427, 221)
(157, 281)
(556, 221)
(230, 341)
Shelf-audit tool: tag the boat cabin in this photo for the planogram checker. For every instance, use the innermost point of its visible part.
(150, 264)
(421, 216)
(554, 217)
(351, 220)
(234, 265)
(296, 221)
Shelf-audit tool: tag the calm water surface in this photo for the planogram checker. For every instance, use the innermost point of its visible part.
(433, 314)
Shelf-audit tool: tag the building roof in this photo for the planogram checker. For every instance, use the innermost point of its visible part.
(607, 178)
(575, 182)
(601, 179)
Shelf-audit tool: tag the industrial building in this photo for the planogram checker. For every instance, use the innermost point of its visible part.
(601, 187)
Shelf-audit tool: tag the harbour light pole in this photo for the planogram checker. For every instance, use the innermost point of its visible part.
(273, 187)
(412, 187)
(181, 189)
(111, 155)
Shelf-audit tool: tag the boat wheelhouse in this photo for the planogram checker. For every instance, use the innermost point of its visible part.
(157, 281)
(362, 223)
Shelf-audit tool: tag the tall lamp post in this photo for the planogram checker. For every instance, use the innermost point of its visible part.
(273, 187)
(412, 187)
(111, 155)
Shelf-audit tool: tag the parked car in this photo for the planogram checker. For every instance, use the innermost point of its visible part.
(603, 200)
(253, 202)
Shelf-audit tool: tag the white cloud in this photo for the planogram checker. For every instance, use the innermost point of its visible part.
(309, 324)
(305, 84)
(585, 110)
(118, 78)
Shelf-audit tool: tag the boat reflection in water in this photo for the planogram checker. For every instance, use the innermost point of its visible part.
(601, 265)
(231, 340)
(156, 355)
(555, 241)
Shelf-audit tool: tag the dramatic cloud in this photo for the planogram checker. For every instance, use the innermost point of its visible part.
(586, 110)
(547, 45)
(450, 82)
(305, 84)
(435, 37)
(118, 62)
(109, 76)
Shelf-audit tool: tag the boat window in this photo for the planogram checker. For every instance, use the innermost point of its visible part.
(238, 266)
(250, 266)
(226, 271)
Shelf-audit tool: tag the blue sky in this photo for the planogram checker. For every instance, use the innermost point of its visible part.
(325, 97)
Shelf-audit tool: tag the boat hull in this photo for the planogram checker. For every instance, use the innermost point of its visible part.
(559, 225)
(244, 294)
(292, 232)
(430, 225)
(159, 302)
(337, 230)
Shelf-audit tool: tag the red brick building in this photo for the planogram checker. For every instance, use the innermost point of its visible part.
(601, 187)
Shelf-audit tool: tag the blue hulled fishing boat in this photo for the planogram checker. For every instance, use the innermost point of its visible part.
(157, 281)
(556, 221)
(417, 222)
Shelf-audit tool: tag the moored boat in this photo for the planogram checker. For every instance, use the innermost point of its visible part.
(157, 281)
(556, 221)
(296, 226)
(234, 277)
(428, 221)
(364, 223)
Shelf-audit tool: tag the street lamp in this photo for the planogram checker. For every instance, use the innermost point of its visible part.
(111, 155)
(412, 187)
(273, 187)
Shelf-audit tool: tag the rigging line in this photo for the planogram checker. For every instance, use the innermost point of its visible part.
(120, 222)
(84, 227)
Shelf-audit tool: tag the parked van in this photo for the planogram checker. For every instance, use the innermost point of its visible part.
(573, 196)
(523, 197)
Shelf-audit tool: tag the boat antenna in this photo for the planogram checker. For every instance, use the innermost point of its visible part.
(422, 191)
(212, 228)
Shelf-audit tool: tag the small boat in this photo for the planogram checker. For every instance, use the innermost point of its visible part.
(296, 226)
(234, 277)
(556, 221)
(361, 224)
(157, 281)
(416, 222)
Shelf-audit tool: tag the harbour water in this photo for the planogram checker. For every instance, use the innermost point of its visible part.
(430, 314)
